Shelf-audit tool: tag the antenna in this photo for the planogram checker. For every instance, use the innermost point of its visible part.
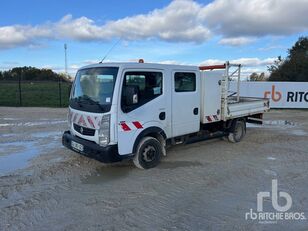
(113, 46)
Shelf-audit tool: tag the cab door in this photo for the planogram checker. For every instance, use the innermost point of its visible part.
(185, 102)
(149, 108)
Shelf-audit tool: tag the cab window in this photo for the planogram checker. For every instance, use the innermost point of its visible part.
(184, 81)
(147, 85)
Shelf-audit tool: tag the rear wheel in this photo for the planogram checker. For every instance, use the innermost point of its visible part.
(237, 132)
(149, 152)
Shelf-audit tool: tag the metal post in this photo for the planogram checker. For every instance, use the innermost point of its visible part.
(19, 88)
(224, 92)
(238, 83)
(60, 100)
(65, 57)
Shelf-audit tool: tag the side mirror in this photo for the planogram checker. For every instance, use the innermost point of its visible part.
(131, 95)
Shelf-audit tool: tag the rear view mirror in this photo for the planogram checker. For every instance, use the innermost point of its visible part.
(131, 95)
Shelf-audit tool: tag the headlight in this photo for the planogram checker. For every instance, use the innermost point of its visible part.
(104, 131)
(69, 119)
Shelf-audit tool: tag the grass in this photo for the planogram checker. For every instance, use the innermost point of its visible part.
(34, 94)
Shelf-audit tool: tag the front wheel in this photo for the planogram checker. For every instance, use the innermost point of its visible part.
(237, 132)
(149, 152)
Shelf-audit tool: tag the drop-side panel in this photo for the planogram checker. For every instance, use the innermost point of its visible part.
(247, 106)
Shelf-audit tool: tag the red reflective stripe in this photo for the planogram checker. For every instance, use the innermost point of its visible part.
(125, 127)
(209, 118)
(90, 121)
(81, 121)
(137, 124)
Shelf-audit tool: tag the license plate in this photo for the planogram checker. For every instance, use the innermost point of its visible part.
(77, 146)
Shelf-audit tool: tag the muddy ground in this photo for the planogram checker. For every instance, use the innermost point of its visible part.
(208, 185)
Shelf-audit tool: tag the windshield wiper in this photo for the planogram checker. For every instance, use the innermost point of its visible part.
(89, 100)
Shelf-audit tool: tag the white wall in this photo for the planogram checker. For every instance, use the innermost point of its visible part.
(281, 94)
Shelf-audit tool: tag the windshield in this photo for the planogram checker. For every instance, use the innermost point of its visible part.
(93, 89)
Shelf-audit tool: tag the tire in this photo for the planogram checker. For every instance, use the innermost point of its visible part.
(237, 132)
(148, 154)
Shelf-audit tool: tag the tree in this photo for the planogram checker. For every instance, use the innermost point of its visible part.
(31, 74)
(295, 66)
(257, 77)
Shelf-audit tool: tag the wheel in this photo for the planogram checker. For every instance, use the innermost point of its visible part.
(149, 152)
(237, 132)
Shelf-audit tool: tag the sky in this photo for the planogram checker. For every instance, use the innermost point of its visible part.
(251, 32)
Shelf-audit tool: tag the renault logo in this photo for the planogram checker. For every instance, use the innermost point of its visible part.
(81, 130)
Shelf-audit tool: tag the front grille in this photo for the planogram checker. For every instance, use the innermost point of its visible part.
(84, 131)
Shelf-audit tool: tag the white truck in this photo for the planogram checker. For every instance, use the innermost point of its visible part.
(135, 110)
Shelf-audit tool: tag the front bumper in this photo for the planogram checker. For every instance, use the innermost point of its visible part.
(106, 154)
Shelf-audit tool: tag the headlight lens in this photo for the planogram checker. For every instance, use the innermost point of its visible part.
(104, 131)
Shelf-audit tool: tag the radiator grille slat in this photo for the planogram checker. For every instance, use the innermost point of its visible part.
(84, 131)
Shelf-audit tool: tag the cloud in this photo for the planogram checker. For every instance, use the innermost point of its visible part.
(172, 62)
(239, 41)
(81, 29)
(238, 18)
(237, 22)
(249, 65)
(210, 62)
(253, 62)
(178, 22)
(12, 36)
(248, 62)
(272, 48)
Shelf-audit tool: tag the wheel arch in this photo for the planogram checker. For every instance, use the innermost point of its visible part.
(231, 123)
(154, 132)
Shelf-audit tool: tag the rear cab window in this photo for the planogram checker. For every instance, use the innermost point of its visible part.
(184, 82)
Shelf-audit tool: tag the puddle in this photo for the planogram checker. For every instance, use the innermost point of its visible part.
(271, 158)
(30, 124)
(16, 155)
(10, 119)
(106, 174)
(19, 159)
(270, 172)
(298, 132)
(273, 123)
(55, 134)
(279, 123)
(7, 135)
(44, 123)
(5, 125)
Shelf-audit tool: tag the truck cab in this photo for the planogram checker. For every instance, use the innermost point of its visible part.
(133, 110)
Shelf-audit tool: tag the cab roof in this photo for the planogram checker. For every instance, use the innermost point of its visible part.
(137, 65)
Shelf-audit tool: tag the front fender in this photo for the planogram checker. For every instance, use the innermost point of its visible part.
(152, 129)
(129, 140)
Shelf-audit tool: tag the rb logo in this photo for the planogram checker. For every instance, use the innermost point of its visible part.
(285, 195)
(275, 95)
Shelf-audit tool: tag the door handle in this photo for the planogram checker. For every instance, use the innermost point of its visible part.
(162, 115)
(196, 111)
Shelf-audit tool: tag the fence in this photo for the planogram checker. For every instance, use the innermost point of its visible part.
(34, 93)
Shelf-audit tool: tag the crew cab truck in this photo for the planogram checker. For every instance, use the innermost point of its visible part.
(135, 110)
